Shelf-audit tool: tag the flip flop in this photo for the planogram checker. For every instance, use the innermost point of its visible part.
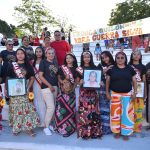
(31, 133)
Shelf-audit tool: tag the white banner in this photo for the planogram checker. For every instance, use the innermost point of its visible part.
(133, 28)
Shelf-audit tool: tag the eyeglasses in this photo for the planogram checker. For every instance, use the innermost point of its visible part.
(10, 44)
(57, 34)
(120, 58)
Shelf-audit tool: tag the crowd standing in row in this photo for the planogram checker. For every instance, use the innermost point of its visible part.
(53, 74)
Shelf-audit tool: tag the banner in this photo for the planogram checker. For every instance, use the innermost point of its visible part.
(133, 28)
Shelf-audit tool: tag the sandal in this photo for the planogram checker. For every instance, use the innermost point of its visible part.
(15, 133)
(125, 138)
(117, 136)
(31, 133)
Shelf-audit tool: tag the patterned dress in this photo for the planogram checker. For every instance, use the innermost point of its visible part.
(65, 121)
(22, 113)
(88, 120)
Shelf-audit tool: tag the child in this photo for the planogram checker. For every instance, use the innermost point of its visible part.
(38, 97)
(66, 99)
(88, 125)
(48, 75)
(97, 51)
(22, 114)
(140, 69)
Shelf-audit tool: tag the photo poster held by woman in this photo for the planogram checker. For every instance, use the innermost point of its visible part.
(65, 114)
(148, 94)
(88, 118)
(107, 63)
(22, 113)
(38, 97)
(140, 69)
(119, 81)
(48, 75)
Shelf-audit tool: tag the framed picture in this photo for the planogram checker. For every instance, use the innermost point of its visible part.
(16, 87)
(140, 89)
(92, 78)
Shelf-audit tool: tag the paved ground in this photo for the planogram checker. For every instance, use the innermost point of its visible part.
(43, 142)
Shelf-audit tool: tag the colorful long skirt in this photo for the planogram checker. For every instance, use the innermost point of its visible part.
(0, 118)
(65, 118)
(104, 111)
(138, 114)
(22, 114)
(88, 120)
(39, 103)
(148, 104)
(122, 113)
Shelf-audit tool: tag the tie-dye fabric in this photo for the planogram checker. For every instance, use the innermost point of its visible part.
(122, 113)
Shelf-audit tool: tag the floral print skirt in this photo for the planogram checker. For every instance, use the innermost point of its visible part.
(22, 114)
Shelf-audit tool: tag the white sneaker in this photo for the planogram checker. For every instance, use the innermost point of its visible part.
(47, 131)
(51, 128)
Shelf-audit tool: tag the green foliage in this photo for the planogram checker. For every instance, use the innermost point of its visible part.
(130, 10)
(33, 15)
(6, 29)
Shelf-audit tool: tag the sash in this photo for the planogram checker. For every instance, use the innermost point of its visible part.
(138, 77)
(67, 71)
(80, 70)
(36, 71)
(17, 70)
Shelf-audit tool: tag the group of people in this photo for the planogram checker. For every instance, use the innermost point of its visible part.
(52, 74)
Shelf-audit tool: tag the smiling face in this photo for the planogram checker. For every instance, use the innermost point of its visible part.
(50, 54)
(86, 59)
(105, 59)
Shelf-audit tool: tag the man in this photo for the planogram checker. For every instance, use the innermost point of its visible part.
(61, 47)
(7, 56)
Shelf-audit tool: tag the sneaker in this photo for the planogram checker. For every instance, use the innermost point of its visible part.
(51, 128)
(47, 131)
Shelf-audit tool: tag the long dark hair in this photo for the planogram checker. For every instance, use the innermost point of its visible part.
(91, 59)
(131, 57)
(121, 53)
(75, 64)
(111, 59)
(26, 61)
(35, 58)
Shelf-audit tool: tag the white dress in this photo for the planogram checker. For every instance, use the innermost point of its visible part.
(39, 101)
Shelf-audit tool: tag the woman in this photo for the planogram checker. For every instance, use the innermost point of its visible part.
(22, 114)
(140, 69)
(107, 63)
(120, 80)
(148, 94)
(28, 49)
(65, 103)
(88, 123)
(48, 75)
(38, 97)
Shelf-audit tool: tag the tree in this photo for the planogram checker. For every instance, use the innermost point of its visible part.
(130, 10)
(6, 29)
(33, 15)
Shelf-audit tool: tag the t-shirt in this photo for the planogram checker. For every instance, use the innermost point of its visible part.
(29, 52)
(140, 70)
(8, 57)
(26, 70)
(49, 70)
(61, 48)
(121, 79)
